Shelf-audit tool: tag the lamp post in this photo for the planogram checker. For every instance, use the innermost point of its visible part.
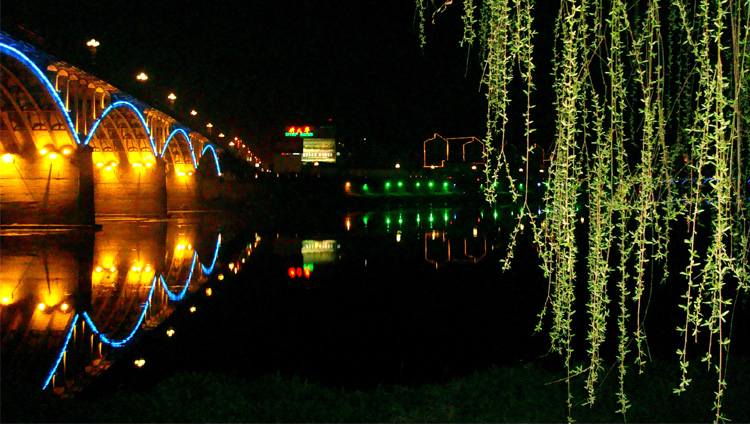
(171, 98)
(142, 77)
(209, 126)
(93, 44)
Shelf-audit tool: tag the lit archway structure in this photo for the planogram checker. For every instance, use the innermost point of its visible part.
(38, 176)
(74, 146)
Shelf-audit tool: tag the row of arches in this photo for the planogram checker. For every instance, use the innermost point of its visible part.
(76, 111)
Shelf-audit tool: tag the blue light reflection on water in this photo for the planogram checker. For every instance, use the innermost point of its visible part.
(122, 342)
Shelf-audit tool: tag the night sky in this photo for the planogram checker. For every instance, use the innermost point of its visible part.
(253, 68)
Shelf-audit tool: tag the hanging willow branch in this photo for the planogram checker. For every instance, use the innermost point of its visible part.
(651, 129)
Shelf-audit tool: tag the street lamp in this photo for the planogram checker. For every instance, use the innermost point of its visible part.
(209, 126)
(193, 112)
(93, 44)
(142, 77)
(221, 134)
(171, 98)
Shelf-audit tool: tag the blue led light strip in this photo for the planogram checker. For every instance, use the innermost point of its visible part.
(122, 342)
(134, 109)
(62, 353)
(190, 144)
(209, 270)
(47, 85)
(181, 295)
(216, 158)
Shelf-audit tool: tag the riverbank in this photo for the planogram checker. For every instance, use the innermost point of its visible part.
(525, 393)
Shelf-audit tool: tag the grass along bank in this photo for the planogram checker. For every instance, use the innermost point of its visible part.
(529, 393)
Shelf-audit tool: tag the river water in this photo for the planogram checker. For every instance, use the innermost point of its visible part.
(345, 296)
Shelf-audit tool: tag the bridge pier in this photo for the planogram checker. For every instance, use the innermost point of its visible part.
(161, 181)
(84, 162)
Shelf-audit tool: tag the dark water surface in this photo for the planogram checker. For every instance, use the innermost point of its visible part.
(343, 295)
(396, 295)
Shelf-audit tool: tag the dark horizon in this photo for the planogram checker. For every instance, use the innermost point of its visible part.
(253, 70)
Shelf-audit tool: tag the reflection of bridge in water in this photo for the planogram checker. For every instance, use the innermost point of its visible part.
(73, 146)
(72, 301)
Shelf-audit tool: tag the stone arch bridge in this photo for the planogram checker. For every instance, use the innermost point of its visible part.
(75, 147)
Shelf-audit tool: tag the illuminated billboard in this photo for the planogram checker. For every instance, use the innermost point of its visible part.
(319, 150)
(304, 131)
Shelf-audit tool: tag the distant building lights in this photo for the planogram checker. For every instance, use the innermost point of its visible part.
(193, 112)
(305, 131)
(8, 158)
(192, 309)
(43, 151)
(92, 43)
(142, 77)
(170, 332)
(398, 165)
(139, 363)
(221, 134)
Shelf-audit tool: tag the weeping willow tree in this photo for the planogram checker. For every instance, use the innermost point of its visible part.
(652, 103)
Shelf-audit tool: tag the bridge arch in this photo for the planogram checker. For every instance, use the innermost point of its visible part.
(175, 154)
(216, 157)
(128, 175)
(49, 89)
(122, 104)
